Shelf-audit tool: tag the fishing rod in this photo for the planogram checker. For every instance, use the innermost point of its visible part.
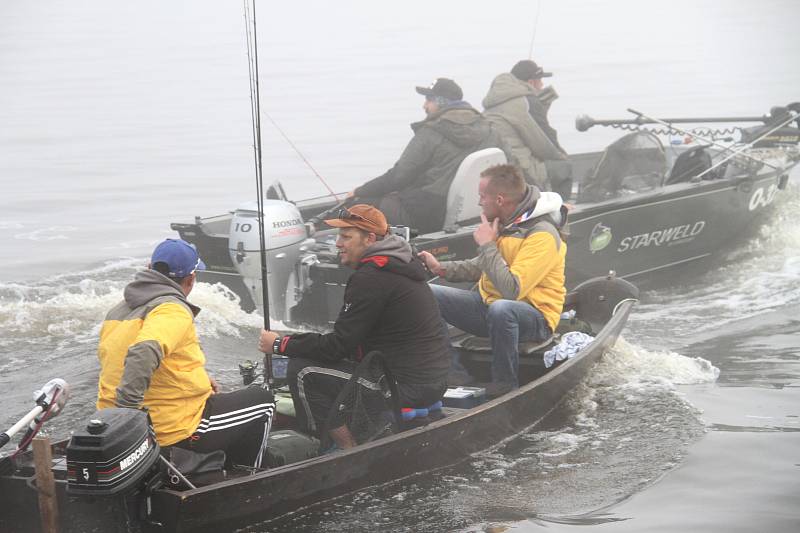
(255, 110)
(306, 161)
(50, 400)
(535, 25)
(665, 123)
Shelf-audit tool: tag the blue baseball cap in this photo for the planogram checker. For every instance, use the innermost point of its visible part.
(180, 256)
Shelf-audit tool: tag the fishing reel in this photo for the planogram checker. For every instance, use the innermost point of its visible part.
(247, 369)
(52, 397)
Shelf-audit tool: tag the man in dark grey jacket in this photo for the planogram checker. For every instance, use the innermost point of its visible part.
(414, 191)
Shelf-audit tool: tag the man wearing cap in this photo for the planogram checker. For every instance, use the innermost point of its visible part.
(414, 191)
(150, 358)
(388, 306)
(517, 106)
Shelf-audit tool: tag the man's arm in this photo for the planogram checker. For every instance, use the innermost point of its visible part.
(538, 111)
(364, 301)
(465, 270)
(163, 329)
(415, 158)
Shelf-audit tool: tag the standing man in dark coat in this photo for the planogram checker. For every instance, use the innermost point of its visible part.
(414, 191)
(388, 306)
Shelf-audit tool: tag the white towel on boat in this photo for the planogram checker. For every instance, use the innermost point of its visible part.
(571, 343)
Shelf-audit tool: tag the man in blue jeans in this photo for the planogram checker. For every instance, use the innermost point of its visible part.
(519, 270)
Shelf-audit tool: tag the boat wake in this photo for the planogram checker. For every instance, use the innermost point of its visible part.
(755, 279)
(68, 309)
(619, 431)
(50, 328)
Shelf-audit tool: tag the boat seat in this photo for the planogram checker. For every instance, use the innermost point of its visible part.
(689, 164)
(462, 197)
(526, 349)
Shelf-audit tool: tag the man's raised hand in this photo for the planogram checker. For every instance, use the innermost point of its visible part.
(486, 231)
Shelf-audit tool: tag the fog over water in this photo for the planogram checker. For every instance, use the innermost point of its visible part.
(117, 118)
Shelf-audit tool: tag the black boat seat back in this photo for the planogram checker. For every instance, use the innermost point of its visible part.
(199, 468)
(462, 197)
(689, 165)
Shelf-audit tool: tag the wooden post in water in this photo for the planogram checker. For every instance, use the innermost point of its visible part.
(48, 501)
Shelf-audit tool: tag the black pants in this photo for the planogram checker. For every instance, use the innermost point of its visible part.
(316, 385)
(236, 422)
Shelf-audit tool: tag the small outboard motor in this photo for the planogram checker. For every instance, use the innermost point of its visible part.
(113, 454)
(286, 239)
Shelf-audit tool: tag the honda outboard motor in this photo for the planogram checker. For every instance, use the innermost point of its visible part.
(285, 240)
(114, 453)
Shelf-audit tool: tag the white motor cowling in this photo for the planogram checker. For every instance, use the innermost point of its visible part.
(284, 236)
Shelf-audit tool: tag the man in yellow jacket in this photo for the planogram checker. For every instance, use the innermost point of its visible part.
(519, 270)
(150, 358)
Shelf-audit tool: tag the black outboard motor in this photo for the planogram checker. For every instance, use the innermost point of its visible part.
(115, 453)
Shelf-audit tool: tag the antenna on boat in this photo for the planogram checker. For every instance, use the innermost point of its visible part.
(255, 110)
(535, 25)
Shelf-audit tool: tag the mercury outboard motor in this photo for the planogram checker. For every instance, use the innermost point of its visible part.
(116, 452)
(286, 240)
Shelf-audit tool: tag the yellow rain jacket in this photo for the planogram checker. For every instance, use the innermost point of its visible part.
(537, 261)
(150, 356)
(527, 261)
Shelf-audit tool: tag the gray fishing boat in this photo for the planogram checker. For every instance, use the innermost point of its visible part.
(642, 207)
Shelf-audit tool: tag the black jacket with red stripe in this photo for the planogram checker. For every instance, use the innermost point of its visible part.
(388, 306)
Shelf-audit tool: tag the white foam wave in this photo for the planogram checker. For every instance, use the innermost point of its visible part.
(758, 277)
(51, 233)
(638, 369)
(561, 444)
(10, 224)
(70, 307)
(41, 313)
(222, 313)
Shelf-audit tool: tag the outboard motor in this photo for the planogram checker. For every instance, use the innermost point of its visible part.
(285, 240)
(116, 452)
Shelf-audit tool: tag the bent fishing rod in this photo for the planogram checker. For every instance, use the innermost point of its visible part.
(255, 112)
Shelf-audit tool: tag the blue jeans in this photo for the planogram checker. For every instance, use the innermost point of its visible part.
(505, 322)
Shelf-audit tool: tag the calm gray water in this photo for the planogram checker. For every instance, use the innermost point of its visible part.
(117, 118)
